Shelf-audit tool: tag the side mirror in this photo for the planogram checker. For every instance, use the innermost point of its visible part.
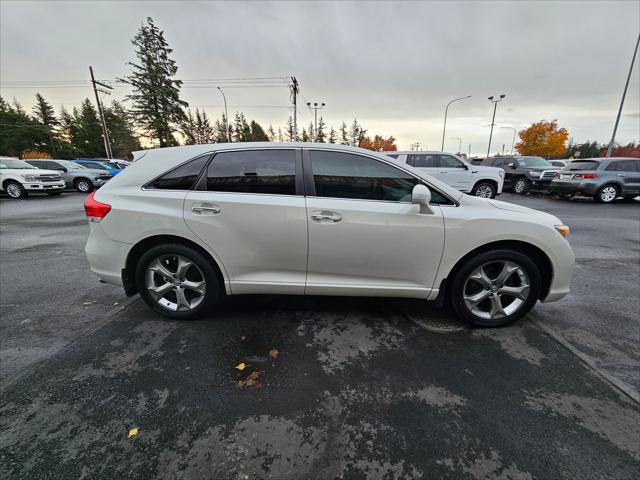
(62, 169)
(511, 165)
(465, 166)
(421, 196)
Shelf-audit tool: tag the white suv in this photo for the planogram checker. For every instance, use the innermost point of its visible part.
(17, 178)
(485, 182)
(184, 225)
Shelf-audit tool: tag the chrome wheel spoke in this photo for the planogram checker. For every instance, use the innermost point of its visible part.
(171, 289)
(160, 269)
(161, 290)
(497, 310)
(183, 303)
(508, 269)
(521, 292)
(195, 286)
(480, 276)
(183, 266)
(476, 298)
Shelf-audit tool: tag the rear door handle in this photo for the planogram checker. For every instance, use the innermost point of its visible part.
(205, 209)
(325, 217)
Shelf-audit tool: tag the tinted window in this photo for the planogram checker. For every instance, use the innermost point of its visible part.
(93, 165)
(622, 166)
(421, 160)
(36, 163)
(253, 171)
(583, 165)
(393, 156)
(183, 177)
(447, 161)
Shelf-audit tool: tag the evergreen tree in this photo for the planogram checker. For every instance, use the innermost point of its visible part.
(290, 134)
(271, 134)
(220, 131)
(321, 136)
(18, 108)
(157, 106)
(20, 132)
(120, 128)
(280, 136)
(241, 129)
(344, 136)
(43, 112)
(204, 130)
(188, 128)
(65, 135)
(257, 133)
(356, 133)
(332, 136)
(310, 133)
(87, 139)
(305, 135)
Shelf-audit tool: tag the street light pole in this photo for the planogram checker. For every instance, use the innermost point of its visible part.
(444, 128)
(226, 114)
(315, 109)
(624, 94)
(513, 142)
(495, 106)
(459, 143)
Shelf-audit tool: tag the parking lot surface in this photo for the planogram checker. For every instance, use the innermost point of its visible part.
(332, 387)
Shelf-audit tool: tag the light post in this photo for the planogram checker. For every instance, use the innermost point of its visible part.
(444, 128)
(624, 94)
(513, 142)
(226, 114)
(495, 105)
(459, 143)
(315, 109)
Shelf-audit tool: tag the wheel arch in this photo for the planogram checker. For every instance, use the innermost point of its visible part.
(486, 180)
(10, 179)
(77, 179)
(538, 256)
(136, 252)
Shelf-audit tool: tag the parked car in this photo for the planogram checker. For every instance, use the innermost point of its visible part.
(485, 182)
(475, 160)
(604, 179)
(18, 179)
(75, 176)
(187, 225)
(524, 173)
(99, 165)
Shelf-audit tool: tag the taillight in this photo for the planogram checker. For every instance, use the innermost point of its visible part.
(95, 210)
(586, 175)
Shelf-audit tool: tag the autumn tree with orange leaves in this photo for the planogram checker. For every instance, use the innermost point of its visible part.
(379, 144)
(543, 139)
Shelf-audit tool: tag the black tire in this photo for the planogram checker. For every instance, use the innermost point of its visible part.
(607, 193)
(15, 189)
(456, 289)
(54, 194)
(83, 185)
(521, 186)
(213, 287)
(481, 188)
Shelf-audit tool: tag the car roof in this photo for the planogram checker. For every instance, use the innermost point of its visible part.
(417, 152)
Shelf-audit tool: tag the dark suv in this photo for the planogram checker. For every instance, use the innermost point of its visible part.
(523, 173)
(604, 179)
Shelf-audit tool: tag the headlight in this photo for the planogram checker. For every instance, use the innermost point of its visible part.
(534, 174)
(29, 178)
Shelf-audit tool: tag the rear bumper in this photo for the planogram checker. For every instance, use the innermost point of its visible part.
(539, 184)
(563, 186)
(107, 257)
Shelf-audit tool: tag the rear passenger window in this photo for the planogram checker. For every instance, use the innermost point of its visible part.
(421, 160)
(623, 166)
(253, 171)
(183, 177)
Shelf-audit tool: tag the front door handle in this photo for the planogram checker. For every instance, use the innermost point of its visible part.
(322, 216)
(205, 209)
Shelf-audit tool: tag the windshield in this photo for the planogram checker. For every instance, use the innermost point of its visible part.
(69, 165)
(533, 162)
(9, 163)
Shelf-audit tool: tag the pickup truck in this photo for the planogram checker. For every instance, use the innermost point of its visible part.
(18, 179)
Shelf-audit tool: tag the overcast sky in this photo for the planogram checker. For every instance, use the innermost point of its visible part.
(392, 65)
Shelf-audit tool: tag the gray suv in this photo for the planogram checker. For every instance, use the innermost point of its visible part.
(75, 176)
(604, 179)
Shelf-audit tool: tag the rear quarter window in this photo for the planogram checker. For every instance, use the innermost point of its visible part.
(182, 177)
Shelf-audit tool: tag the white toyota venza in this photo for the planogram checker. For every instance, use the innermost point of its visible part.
(183, 226)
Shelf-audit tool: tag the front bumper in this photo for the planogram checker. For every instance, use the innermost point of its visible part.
(539, 184)
(43, 186)
(570, 186)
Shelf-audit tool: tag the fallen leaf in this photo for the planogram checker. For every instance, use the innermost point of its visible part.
(243, 337)
(133, 432)
(274, 353)
(241, 366)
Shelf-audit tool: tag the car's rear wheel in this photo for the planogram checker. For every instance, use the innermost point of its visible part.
(84, 185)
(15, 189)
(607, 194)
(521, 186)
(495, 288)
(484, 190)
(177, 281)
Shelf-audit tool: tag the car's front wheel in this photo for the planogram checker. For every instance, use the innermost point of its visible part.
(495, 288)
(84, 185)
(607, 194)
(177, 281)
(484, 190)
(521, 186)
(15, 189)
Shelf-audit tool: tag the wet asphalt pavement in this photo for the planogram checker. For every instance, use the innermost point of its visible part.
(357, 388)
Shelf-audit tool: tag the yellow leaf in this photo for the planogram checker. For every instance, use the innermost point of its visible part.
(241, 366)
(133, 432)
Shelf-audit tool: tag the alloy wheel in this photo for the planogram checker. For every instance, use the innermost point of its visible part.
(608, 194)
(14, 190)
(520, 186)
(175, 282)
(484, 191)
(496, 289)
(84, 186)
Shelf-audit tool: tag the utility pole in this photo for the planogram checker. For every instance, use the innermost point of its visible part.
(513, 142)
(469, 150)
(459, 143)
(315, 109)
(624, 94)
(444, 128)
(414, 147)
(226, 115)
(294, 98)
(105, 134)
(493, 120)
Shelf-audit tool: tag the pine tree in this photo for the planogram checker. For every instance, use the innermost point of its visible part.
(19, 131)
(290, 134)
(188, 128)
(310, 133)
(18, 108)
(257, 133)
(241, 129)
(344, 136)
(320, 135)
(305, 135)
(204, 130)
(43, 112)
(88, 141)
(121, 134)
(356, 133)
(157, 106)
(332, 136)
(280, 136)
(271, 133)
(220, 130)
